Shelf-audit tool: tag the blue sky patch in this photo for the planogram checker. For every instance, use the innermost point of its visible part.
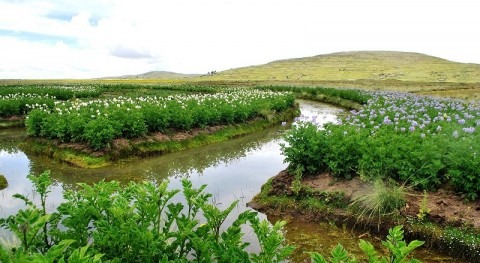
(67, 17)
(36, 37)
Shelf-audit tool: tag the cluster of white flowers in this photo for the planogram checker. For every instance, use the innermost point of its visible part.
(232, 97)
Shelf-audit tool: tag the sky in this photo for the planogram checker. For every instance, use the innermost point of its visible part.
(59, 39)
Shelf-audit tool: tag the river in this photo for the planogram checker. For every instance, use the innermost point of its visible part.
(233, 170)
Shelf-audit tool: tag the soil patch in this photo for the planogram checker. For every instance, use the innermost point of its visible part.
(121, 145)
(446, 206)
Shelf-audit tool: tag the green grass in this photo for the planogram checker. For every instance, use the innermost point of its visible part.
(362, 65)
(383, 199)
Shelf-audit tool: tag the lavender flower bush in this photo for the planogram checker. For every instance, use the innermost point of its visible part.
(425, 141)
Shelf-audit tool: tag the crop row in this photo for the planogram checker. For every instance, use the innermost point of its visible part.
(421, 140)
(20, 103)
(355, 95)
(99, 121)
(59, 92)
(112, 87)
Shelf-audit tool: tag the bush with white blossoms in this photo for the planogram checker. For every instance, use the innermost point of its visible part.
(19, 100)
(60, 92)
(424, 141)
(99, 121)
(17, 104)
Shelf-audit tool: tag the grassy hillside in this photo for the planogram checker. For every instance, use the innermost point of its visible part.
(157, 75)
(362, 65)
(382, 70)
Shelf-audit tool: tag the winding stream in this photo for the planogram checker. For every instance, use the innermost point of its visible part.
(233, 170)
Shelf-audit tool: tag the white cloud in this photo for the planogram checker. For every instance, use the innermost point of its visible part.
(81, 39)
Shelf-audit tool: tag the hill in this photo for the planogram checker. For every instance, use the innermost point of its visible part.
(359, 65)
(157, 75)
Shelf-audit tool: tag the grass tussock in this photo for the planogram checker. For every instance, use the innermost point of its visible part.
(385, 198)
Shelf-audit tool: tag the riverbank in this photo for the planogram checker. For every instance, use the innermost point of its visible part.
(12, 122)
(122, 149)
(442, 219)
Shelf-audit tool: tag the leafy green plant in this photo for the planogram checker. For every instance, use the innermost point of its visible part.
(305, 149)
(424, 211)
(398, 250)
(297, 181)
(54, 254)
(136, 223)
(464, 167)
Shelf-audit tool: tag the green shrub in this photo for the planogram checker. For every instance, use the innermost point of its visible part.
(464, 167)
(305, 149)
(398, 250)
(100, 132)
(138, 223)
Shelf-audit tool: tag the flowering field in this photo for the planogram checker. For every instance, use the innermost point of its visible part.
(17, 100)
(60, 92)
(19, 103)
(423, 141)
(97, 122)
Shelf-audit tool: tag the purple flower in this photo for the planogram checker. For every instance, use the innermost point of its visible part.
(469, 130)
(461, 121)
(386, 120)
(455, 134)
(412, 128)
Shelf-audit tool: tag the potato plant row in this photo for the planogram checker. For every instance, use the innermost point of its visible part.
(20, 103)
(18, 100)
(426, 142)
(60, 92)
(98, 122)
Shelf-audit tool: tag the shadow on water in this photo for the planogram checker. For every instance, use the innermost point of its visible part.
(233, 170)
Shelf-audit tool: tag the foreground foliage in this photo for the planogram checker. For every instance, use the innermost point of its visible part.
(421, 140)
(398, 250)
(139, 223)
(143, 223)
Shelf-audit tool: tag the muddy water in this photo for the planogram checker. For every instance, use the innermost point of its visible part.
(233, 170)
